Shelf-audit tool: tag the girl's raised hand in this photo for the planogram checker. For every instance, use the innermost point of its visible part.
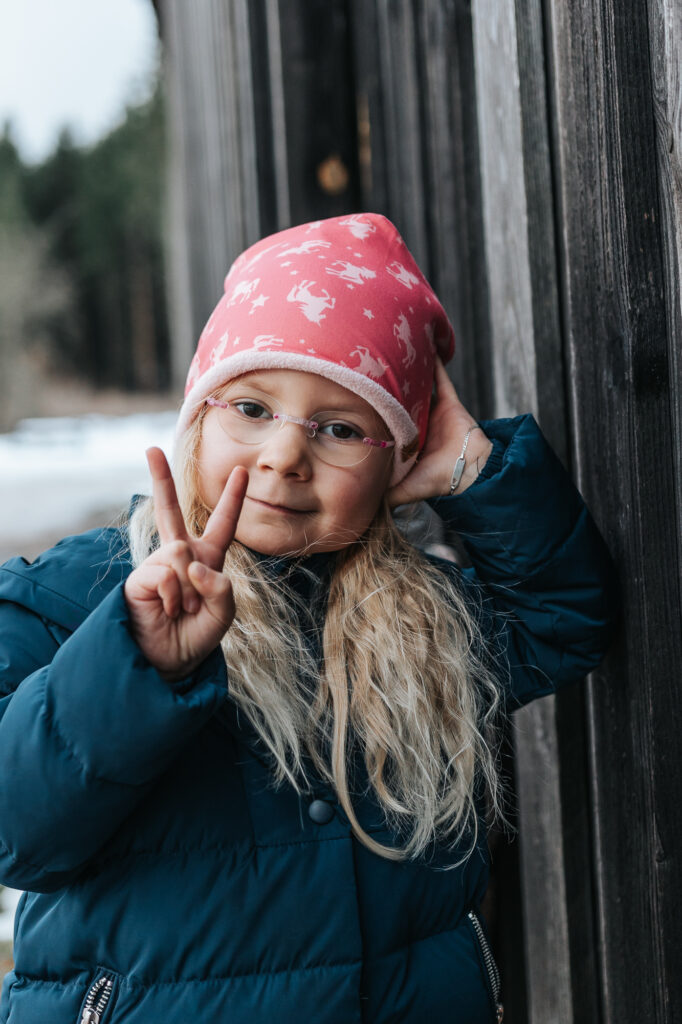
(448, 425)
(179, 599)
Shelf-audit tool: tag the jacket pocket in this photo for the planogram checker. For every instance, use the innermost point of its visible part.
(99, 998)
(488, 963)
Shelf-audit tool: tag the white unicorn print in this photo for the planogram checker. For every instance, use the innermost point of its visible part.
(305, 248)
(359, 228)
(219, 351)
(368, 365)
(401, 330)
(349, 272)
(267, 341)
(312, 306)
(244, 290)
(244, 264)
(402, 274)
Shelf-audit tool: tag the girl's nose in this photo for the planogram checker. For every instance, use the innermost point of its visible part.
(287, 450)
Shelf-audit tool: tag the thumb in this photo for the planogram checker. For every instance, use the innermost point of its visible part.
(216, 590)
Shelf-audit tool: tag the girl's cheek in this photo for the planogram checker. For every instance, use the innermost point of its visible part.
(210, 485)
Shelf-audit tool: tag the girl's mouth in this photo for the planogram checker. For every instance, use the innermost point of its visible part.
(284, 509)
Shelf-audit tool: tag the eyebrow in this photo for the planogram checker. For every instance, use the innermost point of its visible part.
(351, 403)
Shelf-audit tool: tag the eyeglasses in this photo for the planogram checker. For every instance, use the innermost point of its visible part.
(334, 441)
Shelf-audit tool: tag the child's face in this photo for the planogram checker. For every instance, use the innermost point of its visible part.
(294, 500)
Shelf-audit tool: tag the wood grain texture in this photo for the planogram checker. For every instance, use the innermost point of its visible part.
(665, 49)
(505, 212)
(452, 190)
(214, 184)
(622, 429)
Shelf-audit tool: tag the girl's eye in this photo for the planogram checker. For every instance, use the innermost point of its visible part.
(251, 410)
(340, 431)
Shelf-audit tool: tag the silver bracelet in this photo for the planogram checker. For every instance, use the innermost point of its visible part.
(460, 464)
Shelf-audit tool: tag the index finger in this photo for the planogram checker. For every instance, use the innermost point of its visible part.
(169, 519)
(222, 523)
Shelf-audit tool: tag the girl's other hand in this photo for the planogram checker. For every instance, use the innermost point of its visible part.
(448, 426)
(179, 599)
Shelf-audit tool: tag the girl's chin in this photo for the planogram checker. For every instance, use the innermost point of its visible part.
(269, 544)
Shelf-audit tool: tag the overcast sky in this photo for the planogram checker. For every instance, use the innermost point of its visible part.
(75, 62)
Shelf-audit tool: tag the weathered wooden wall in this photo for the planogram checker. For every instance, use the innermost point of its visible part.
(529, 151)
(616, 170)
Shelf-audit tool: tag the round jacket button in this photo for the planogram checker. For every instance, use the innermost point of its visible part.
(321, 812)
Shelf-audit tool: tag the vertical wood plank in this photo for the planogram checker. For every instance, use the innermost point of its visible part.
(505, 214)
(279, 179)
(665, 48)
(398, 59)
(214, 181)
(527, 368)
(452, 190)
(319, 109)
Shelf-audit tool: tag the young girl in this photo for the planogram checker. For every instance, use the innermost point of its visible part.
(246, 742)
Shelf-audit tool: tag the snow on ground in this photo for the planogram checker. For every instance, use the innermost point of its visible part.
(10, 898)
(59, 473)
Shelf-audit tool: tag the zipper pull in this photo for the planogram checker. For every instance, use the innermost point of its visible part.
(500, 1013)
(90, 1017)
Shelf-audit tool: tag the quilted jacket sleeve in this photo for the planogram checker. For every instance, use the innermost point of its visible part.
(540, 569)
(86, 726)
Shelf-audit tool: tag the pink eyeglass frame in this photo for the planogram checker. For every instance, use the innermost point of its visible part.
(308, 424)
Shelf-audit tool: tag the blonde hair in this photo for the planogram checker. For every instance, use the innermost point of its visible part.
(406, 673)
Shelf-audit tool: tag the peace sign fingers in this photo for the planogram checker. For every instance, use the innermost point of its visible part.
(169, 520)
(176, 550)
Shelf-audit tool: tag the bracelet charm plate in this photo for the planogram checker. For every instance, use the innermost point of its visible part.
(457, 474)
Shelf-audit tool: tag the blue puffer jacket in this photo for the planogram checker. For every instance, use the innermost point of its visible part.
(167, 881)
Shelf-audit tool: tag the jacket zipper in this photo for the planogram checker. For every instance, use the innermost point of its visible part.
(490, 965)
(96, 1000)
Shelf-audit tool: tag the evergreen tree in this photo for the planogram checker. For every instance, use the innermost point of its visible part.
(35, 292)
(102, 210)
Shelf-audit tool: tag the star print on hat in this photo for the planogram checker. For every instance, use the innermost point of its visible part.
(342, 298)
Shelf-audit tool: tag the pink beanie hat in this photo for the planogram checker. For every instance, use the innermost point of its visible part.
(342, 298)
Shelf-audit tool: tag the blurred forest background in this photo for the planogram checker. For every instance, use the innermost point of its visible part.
(82, 297)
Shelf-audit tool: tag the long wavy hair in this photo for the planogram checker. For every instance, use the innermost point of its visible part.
(406, 677)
